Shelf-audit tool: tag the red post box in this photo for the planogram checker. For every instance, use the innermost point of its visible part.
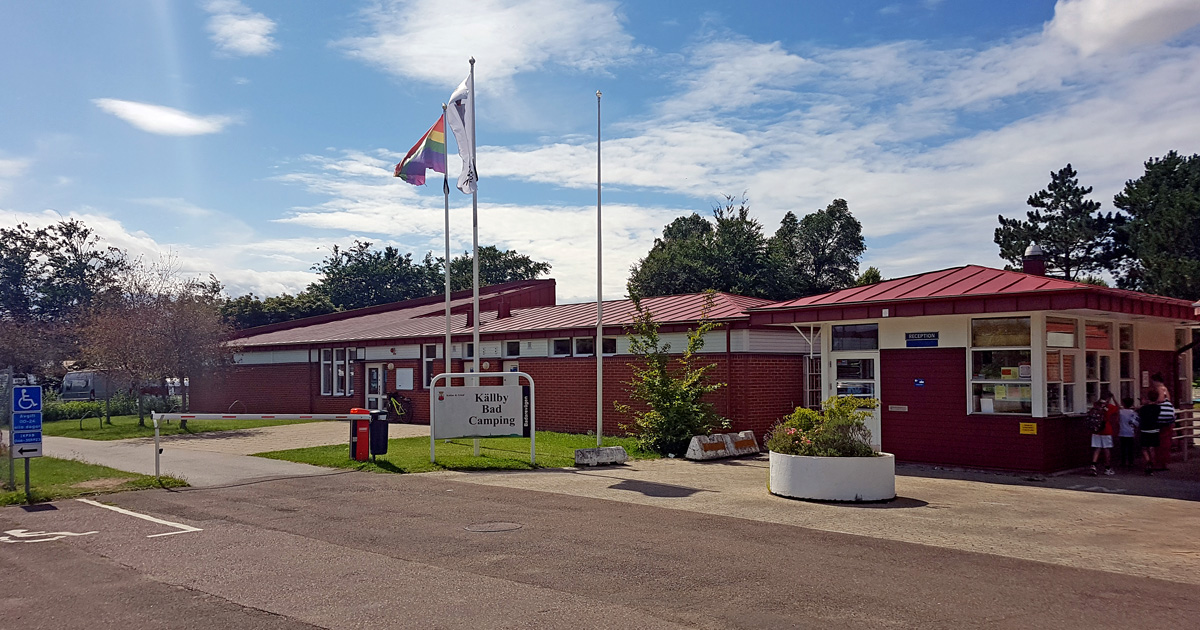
(360, 435)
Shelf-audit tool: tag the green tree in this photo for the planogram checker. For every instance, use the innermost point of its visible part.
(248, 311)
(1077, 238)
(678, 262)
(360, 276)
(816, 254)
(495, 267)
(728, 254)
(871, 276)
(1163, 230)
(20, 270)
(671, 388)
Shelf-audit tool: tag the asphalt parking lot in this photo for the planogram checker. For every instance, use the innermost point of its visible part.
(657, 545)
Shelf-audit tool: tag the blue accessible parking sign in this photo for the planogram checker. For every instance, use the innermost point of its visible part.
(26, 398)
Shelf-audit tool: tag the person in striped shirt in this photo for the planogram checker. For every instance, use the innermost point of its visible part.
(1166, 421)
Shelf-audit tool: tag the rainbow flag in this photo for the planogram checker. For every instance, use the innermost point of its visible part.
(429, 153)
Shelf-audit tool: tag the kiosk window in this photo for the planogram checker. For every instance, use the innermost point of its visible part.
(1001, 365)
(855, 337)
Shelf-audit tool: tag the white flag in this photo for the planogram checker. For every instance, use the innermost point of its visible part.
(460, 115)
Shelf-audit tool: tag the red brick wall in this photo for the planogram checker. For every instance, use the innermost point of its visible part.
(761, 390)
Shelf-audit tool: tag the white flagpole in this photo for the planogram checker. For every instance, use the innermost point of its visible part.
(475, 238)
(599, 345)
(446, 194)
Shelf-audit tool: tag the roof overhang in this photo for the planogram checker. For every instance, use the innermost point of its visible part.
(1127, 303)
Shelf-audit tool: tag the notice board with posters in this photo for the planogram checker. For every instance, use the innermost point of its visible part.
(477, 412)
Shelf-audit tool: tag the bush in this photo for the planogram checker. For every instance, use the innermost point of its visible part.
(673, 389)
(119, 405)
(839, 430)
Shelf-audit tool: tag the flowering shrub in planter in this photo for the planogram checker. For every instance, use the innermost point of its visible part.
(838, 430)
(827, 455)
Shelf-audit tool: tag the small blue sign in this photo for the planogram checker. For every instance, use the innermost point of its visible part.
(27, 437)
(27, 398)
(27, 421)
(918, 382)
(921, 340)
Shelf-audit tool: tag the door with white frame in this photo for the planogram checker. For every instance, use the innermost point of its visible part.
(375, 397)
(857, 374)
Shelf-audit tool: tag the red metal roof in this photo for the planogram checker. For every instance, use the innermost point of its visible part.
(425, 320)
(968, 289)
(957, 282)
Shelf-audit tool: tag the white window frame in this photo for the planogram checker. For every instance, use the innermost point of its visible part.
(575, 347)
(570, 347)
(326, 375)
(428, 363)
(1114, 363)
(1076, 353)
(614, 342)
(507, 353)
(1029, 382)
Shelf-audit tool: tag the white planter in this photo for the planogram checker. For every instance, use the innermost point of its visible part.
(834, 478)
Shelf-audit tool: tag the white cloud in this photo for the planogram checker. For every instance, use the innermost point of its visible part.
(1095, 25)
(166, 121)
(13, 167)
(363, 198)
(431, 40)
(238, 31)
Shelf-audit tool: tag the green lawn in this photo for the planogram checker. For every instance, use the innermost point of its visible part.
(411, 455)
(52, 478)
(124, 427)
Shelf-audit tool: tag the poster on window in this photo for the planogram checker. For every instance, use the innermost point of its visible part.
(476, 412)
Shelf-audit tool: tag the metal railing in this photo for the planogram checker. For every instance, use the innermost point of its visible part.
(1185, 429)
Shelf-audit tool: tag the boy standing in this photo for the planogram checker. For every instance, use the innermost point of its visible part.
(1148, 420)
(1102, 438)
(1127, 433)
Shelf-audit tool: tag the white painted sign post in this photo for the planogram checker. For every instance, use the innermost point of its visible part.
(481, 411)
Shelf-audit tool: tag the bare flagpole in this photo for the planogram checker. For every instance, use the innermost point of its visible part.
(475, 239)
(599, 345)
(446, 194)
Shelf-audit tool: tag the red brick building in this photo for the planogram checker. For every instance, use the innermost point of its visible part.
(972, 366)
(331, 363)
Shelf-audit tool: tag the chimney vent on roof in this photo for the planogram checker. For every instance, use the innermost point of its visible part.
(1034, 262)
(471, 318)
(505, 308)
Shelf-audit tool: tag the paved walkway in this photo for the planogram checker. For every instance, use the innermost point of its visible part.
(1087, 523)
(278, 438)
(216, 458)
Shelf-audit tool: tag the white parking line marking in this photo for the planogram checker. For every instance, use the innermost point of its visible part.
(183, 529)
(22, 534)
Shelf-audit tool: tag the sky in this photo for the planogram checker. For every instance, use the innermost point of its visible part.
(245, 138)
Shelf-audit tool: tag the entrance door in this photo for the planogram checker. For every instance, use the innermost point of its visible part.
(858, 376)
(375, 378)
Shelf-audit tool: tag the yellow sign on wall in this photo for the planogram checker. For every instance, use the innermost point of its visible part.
(1028, 428)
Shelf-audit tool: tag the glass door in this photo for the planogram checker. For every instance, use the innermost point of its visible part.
(375, 397)
(858, 376)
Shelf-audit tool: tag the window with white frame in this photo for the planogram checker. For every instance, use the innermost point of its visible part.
(585, 346)
(609, 345)
(512, 348)
(430, 357)
(1127, 362)
(560, 347)
(327, 371)
(1098, 359)
(1062, 355)
(337, 371)
(1001, 365)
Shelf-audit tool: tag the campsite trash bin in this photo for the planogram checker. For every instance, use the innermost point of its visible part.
(379, 433)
